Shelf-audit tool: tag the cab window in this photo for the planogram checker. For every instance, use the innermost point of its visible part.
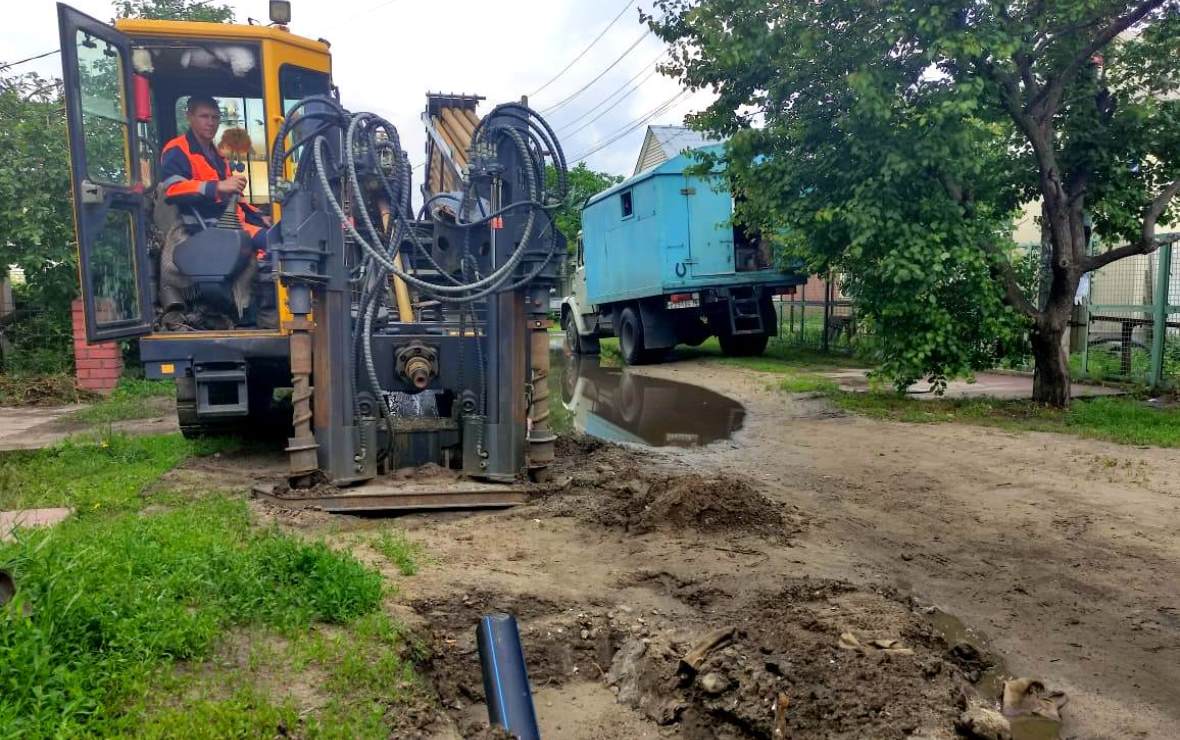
(248, 114)
(230, 73)
(104, 121)
(296, 83)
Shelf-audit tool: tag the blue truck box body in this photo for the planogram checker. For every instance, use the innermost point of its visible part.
(677, 237)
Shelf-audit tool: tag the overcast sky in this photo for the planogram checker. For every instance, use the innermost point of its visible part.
(388, 54)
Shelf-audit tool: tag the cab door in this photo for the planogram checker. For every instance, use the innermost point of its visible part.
(107, 191)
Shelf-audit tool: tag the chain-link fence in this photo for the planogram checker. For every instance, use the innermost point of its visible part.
(1126, 327)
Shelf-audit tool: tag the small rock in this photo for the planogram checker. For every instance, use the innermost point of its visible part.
(981, 723)
(713, 683)
(585, 634)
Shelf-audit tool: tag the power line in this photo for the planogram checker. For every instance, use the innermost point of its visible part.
(613, 138)
(29, 59)
(622, 87)
(601, 74)
(588, 48)
(612, 106)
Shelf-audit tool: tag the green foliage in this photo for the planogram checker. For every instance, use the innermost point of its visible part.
(584, 183)
(131, 399)
(896, 141)
(175, 10)
(399, 550)
(36, 224)
(100, 475)
(110, 599)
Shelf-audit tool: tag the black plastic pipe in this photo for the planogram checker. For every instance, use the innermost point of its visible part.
(505, 679)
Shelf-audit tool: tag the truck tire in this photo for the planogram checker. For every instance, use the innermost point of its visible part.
(630, 334)
(743, 345)
(575, 343)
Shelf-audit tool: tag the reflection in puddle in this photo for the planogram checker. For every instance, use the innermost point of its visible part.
(620, 406)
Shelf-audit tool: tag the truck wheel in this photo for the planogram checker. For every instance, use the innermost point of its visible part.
(743, 345)
(576, 343)
(631, 338)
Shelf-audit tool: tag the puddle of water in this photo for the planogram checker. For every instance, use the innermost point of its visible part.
(991, 681)
(620, 406)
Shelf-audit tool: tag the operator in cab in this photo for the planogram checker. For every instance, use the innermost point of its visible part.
(205, 190)
(198, 180)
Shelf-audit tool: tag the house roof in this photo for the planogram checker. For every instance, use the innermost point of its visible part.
(674, 166)
(665, 142)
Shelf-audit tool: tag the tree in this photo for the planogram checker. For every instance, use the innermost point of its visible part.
(175, 10)
(36, 221)
(896, 140)
(584, 183)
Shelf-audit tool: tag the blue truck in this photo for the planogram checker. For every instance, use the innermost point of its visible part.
(660, 263)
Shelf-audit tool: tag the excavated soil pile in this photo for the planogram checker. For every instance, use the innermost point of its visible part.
(707, 504)
(782, 649)
(784, 667)
(619, 488)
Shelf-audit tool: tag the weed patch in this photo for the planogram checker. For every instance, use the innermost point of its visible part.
(60, 389)
(112, 599)
(100, 474)
(395, 547)
(131, 399)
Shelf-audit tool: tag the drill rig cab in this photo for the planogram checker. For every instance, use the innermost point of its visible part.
(126, 88)
(406, 338)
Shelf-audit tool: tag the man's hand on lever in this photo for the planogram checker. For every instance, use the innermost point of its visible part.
(231, 185)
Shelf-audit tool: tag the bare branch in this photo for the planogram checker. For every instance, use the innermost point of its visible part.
(1147, 242)
(1050, 97)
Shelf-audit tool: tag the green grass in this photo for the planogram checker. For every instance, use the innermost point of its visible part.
(126, 613)
(112, 599)
(353, 676)
(131, 399)
(395, 547)
(1123, 420)
(100, 474)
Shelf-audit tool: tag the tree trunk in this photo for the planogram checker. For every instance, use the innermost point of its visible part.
(1051, 381)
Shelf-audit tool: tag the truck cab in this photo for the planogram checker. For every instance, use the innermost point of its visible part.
(126, 89)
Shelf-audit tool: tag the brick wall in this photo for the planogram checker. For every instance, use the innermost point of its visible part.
(97, 366)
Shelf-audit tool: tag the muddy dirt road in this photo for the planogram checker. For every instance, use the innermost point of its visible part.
(1064, 552)
(805, 530)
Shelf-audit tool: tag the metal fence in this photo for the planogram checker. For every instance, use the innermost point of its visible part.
(815, 317)
(1126, 327)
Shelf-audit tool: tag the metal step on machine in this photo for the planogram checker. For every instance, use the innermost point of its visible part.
(416, 338)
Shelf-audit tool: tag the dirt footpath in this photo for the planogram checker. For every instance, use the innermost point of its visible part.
(817, 562)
